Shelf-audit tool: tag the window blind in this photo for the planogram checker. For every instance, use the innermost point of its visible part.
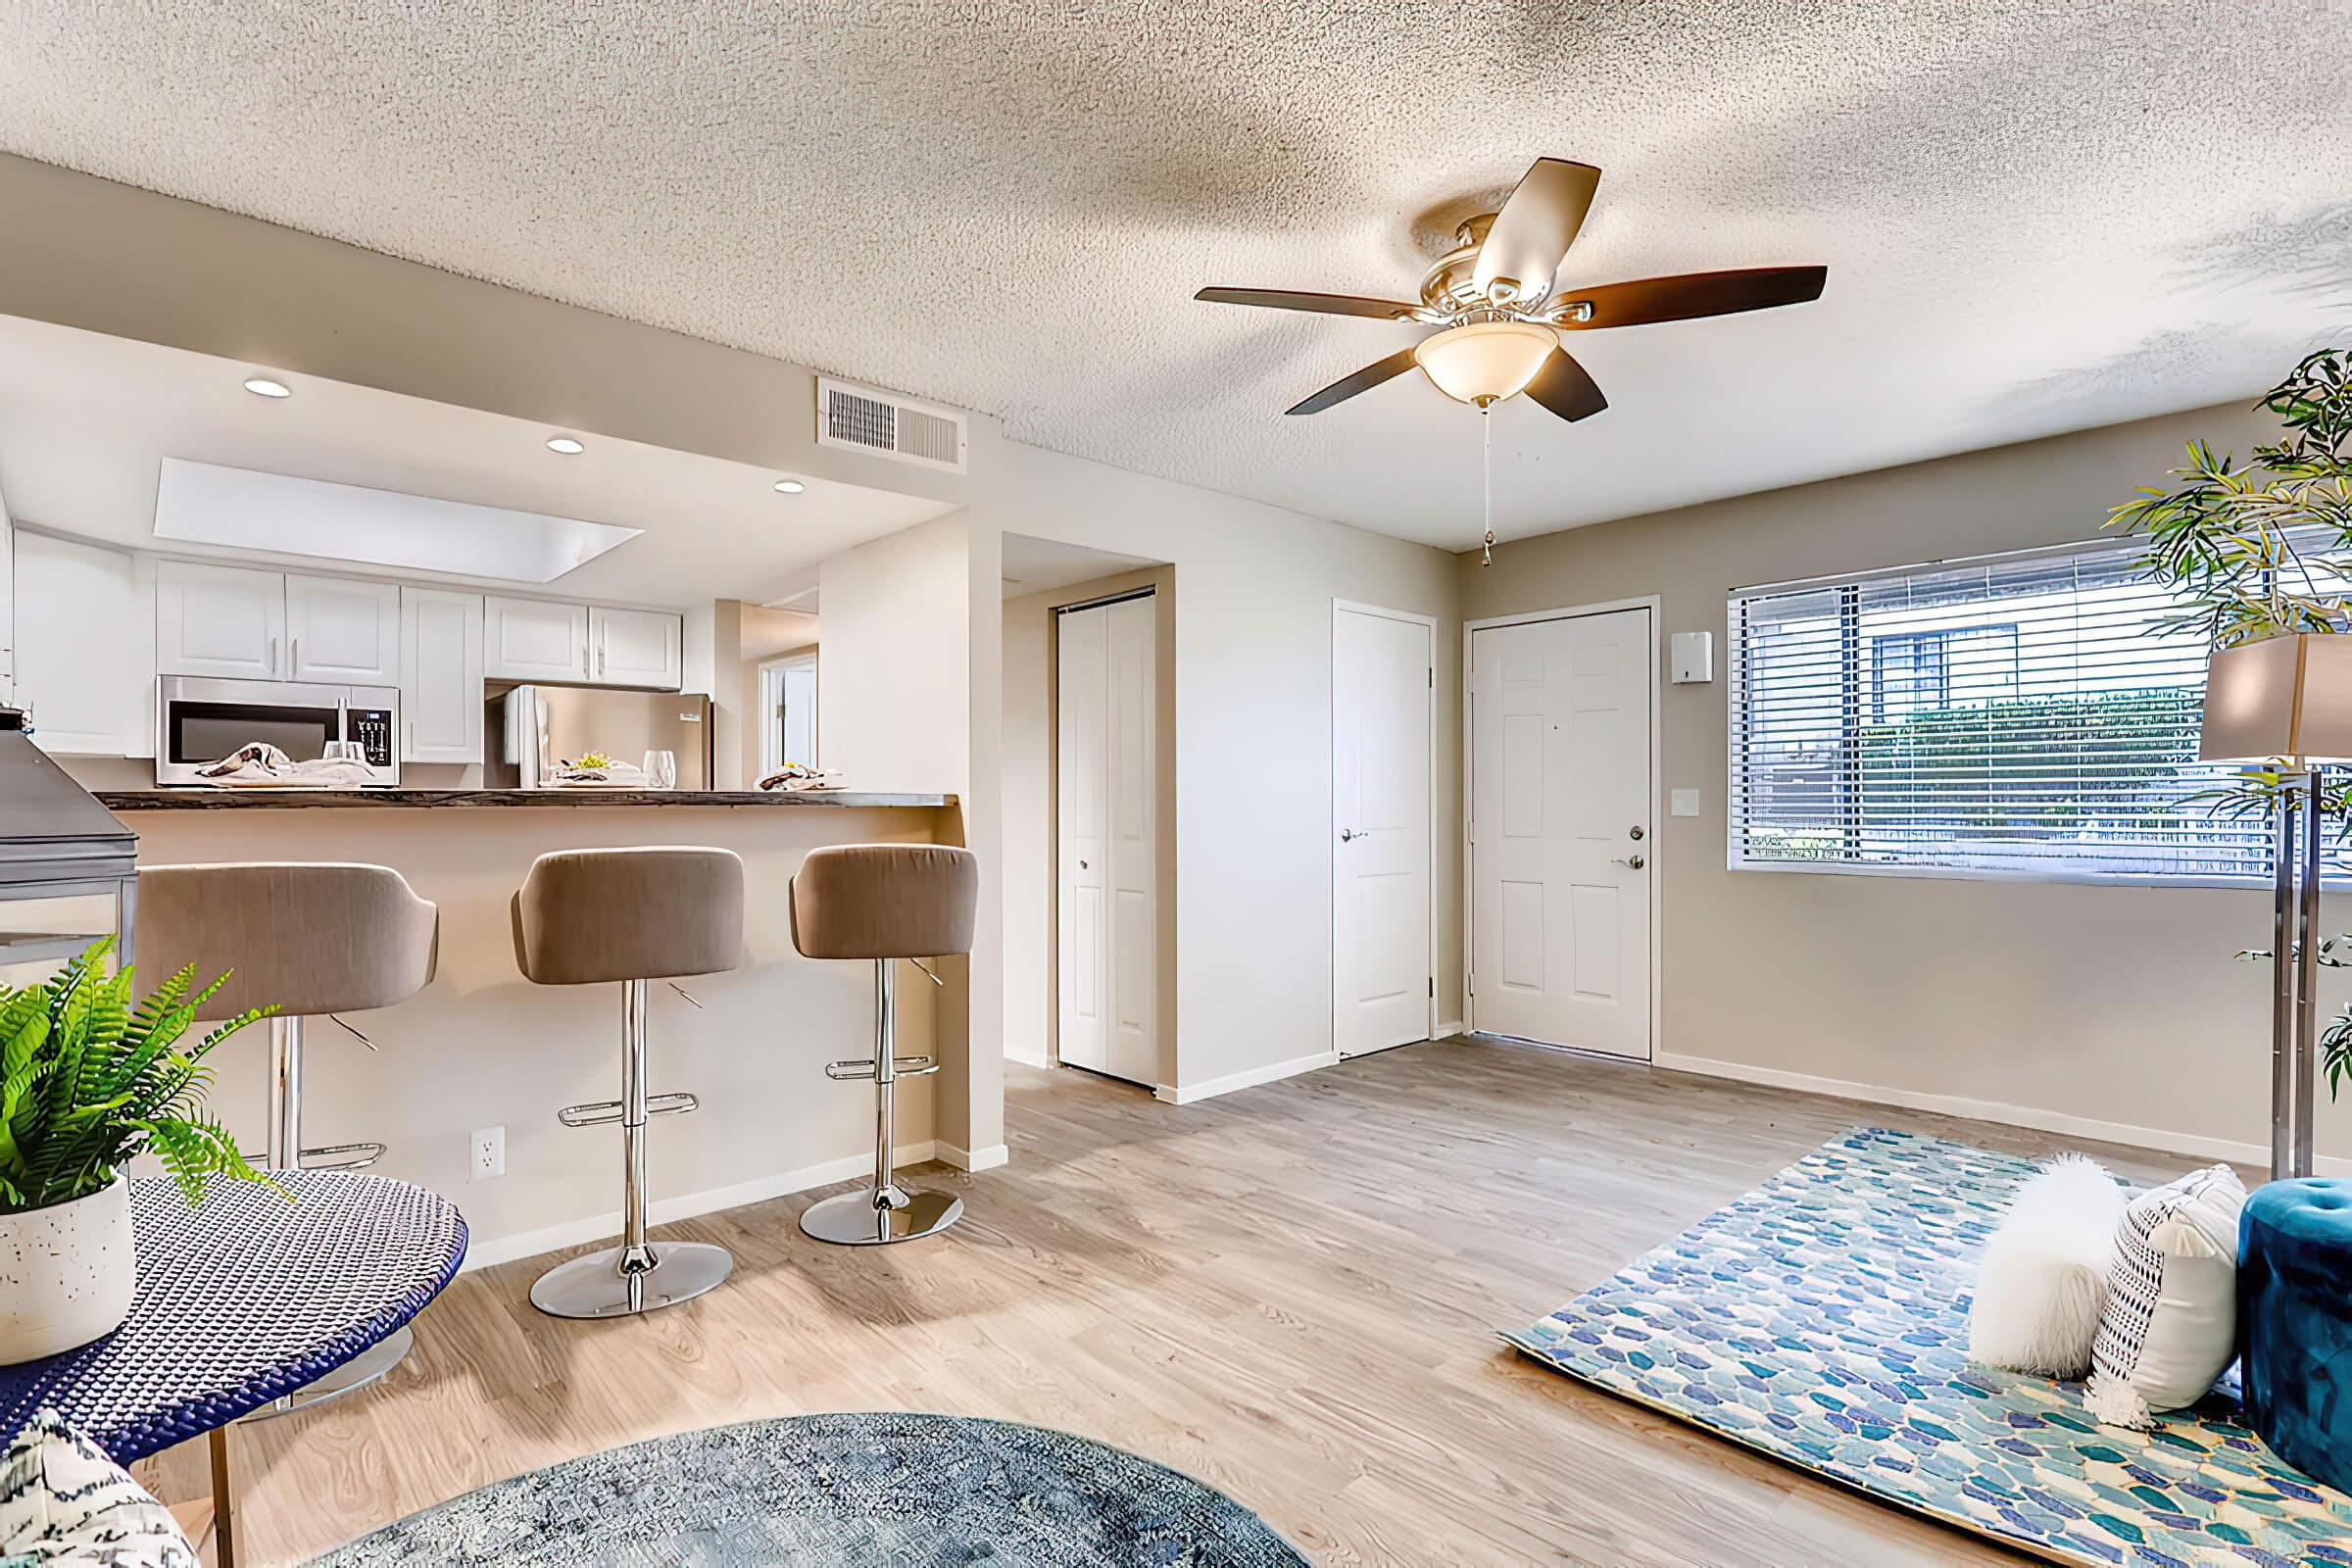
(2010, 715)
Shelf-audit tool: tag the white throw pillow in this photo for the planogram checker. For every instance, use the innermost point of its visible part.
(2043, 1283)
(64, 1503)
(2170, 1326)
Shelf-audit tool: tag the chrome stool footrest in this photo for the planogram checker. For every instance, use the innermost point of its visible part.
(862, 1068)
(341, 1156)
(605, 1112)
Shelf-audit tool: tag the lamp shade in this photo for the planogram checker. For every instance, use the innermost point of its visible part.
(1485, 362)
(2285, 697)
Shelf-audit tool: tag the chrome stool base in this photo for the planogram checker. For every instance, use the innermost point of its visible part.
(596, 1286)
(855, 1219)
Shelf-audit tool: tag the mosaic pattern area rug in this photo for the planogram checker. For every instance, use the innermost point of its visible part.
(849, 1491)
(1822, 1319)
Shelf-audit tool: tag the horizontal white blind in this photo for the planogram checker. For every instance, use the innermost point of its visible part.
(2011, 715)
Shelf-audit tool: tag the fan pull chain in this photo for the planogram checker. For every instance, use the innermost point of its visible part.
(1485, 439)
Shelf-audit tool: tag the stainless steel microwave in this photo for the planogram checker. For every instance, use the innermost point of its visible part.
(202, 721)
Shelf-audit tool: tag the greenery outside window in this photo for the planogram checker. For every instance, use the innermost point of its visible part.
(2025, 715)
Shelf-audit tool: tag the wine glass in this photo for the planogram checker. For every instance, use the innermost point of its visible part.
(661, 770)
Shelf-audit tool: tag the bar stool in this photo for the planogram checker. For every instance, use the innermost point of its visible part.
(632, 915)
(884, 901)
(313, 939)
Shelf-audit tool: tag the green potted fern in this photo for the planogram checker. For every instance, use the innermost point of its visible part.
(87, 1082)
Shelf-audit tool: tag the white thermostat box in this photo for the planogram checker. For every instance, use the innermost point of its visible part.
(1691, 655)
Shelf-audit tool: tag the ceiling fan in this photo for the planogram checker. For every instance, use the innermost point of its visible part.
(1495, 297)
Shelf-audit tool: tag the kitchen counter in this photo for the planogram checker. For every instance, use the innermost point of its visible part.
(215, 800)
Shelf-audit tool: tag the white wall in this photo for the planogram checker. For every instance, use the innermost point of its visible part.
(892, 687)
(1252, 671)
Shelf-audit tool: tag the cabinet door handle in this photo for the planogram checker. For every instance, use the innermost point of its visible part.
(273, 667)
(293, 654)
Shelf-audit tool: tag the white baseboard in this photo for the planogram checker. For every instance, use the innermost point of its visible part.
(666, 1210)
(1450, 1028)
(1191, 1094)
(967, 1159)
(1026, 1059)
(2046, 1121)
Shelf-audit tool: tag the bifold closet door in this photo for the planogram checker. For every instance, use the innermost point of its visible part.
(1109, 873)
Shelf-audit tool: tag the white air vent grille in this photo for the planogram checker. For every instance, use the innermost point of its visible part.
(889, 426)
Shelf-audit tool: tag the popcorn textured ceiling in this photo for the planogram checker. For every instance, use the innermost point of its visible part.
(2038, 215)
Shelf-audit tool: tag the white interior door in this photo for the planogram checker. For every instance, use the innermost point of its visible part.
(798, 699)
(1560, 831)
(1083, 785)
(1108, 926)
(1380, 712)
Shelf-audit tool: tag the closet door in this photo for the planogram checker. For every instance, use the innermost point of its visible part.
(1083, 810)
(1108, 738)
(1130, 728)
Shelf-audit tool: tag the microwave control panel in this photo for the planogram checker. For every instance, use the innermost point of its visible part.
(371, 727)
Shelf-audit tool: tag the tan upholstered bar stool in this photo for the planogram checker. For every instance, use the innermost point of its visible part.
(631, 915)
(884, 901)
(313, 939)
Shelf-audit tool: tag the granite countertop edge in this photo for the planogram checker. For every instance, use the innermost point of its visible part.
(218, 799)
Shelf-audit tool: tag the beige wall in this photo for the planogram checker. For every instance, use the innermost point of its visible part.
(1030, 792)
(2112, 1004)
(1252, 671)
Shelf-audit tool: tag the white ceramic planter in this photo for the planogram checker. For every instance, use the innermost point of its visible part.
(65, 1274)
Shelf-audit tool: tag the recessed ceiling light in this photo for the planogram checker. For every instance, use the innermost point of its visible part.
(565, 445)
(262, 387)
(790, 487)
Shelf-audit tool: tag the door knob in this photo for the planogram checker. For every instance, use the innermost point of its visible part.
(1347, 835)
(1634, 860)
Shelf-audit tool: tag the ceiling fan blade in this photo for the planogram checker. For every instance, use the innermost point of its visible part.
(1535, 229)
(1281, 299)
(1363, 380)
(1563, 387)
(1692, 294)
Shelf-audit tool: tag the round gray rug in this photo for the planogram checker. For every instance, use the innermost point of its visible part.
(836, 1491)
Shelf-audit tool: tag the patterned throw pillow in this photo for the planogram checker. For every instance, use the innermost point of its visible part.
(2170, 1324)
(62, 1501)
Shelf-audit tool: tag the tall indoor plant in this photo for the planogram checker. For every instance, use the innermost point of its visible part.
(2260, 551)
(87, 1082)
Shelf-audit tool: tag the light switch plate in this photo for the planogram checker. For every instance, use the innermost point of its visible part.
(1682, 802)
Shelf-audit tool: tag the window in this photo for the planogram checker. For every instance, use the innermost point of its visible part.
(2019, 715)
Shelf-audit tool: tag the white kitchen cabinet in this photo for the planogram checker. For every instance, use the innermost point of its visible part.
(441, 675)
(86, 646)
(533, 639)
(7, 609)
(637, 648)
(343, 630)
(228, 621)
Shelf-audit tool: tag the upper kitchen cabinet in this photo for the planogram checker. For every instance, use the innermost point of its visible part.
(440, 675)
(85, 650)
(638, 648)
(533, 639)
(343, 631)
(220, 620)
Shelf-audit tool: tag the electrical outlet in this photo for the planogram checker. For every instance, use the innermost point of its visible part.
(489, 1155)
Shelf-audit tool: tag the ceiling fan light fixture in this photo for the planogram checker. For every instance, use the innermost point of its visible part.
(1485, 362)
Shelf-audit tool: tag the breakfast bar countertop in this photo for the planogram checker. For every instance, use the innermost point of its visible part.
(215, 800)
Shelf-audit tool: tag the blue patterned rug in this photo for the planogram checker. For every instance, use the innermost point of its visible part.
(1822, 1319)
(839, 1491)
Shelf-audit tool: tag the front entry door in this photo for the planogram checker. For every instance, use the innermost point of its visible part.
(1379, 705)
(1560, 834)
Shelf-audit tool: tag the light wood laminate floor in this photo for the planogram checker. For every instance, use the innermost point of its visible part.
(1290, 1291)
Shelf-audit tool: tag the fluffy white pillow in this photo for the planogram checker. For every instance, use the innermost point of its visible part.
(62, 1501)
(2043, 1283)
(2170, 1324)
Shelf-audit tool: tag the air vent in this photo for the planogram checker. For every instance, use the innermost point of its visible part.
(889, 426)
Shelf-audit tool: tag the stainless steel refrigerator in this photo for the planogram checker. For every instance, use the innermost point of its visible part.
(547, 726)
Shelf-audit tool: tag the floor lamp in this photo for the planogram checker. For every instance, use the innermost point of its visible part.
(2287, 702)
